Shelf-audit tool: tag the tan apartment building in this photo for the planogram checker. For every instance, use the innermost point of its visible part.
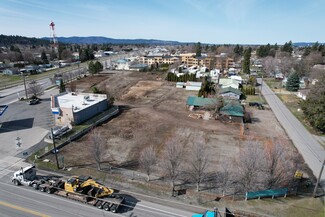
(149, 60)
(216, 61)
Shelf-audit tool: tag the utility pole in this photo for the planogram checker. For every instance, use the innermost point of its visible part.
(22, 73)
(320, 175)
(55, 150)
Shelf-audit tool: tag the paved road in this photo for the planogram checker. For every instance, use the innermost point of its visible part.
(312, 152)
(11, 95)
(25, 201)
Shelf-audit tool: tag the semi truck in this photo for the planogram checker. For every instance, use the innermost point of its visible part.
(79, 188)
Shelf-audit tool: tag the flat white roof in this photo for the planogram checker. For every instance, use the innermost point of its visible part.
(80, 101)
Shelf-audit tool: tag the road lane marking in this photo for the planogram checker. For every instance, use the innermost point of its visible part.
(23, 209)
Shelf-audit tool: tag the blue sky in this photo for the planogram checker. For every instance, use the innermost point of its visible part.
(207, 21)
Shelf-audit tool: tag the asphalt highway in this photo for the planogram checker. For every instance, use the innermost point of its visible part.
(25, 201)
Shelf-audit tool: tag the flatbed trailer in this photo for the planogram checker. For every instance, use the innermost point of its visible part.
(56, 186)
(109, 203)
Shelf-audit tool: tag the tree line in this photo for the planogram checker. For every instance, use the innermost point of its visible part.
(181, 78)
(8, 40)
(259, 166)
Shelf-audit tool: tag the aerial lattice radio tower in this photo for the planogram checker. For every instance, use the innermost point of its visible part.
(54, 40)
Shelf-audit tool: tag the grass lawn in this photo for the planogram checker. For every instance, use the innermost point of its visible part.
(6, 80)
(255, 98)
(292, 103)
(275, 85)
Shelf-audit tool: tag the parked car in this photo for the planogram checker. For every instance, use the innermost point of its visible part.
(33, 101)
(257, 104)
(59, 131)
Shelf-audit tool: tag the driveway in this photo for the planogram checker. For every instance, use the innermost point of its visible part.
(312, 152)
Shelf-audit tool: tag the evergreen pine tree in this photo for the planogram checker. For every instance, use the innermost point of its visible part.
(293, 82)
(247, 61)
(62, 86)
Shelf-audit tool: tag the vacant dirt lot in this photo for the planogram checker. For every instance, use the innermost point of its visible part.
(154, 111)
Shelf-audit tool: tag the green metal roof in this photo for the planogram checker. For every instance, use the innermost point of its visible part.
(232, 108)
(200, 102)
(230, 89)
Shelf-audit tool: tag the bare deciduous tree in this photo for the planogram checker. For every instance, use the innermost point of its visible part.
(173, 157)
(28, 56)
(286, 64)
(148, 159)
(317, 73)
(250, 166)
(225, 177)
(198, 161)
(270, 64)
(35, 88)
(97, 142)
(278, 164)
(314, 58)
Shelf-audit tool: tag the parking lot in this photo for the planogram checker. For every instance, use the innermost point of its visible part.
(26, 124)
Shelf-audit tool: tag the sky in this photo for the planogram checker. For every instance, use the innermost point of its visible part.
(205, 21)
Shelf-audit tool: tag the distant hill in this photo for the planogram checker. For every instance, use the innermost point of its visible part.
(7, 40)
(104, 40)
(305, 44)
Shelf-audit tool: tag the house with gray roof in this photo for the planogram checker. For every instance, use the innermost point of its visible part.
(230, 92)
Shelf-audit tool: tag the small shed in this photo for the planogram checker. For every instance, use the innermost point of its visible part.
(190, 85)
(180, 85)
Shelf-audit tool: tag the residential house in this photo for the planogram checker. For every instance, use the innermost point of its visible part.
(214, 75)
(237, 78)
(228, 82)
(75, 55)
(11, 71)
(99, 54)
(233, 111)
(230, 93)
(303, 93)
(138, 67)
(121, 64)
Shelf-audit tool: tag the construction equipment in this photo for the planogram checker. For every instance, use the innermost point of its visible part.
(80, 188)
(298, 174)
(86, 185)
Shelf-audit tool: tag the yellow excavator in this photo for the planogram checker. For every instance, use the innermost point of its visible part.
(86, 185)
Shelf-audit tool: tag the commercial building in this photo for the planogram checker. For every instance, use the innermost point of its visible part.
(75, 108)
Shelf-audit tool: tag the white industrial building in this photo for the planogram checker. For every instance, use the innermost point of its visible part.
(75, 108)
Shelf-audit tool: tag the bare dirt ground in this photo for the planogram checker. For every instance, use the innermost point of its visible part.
(154, 110)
